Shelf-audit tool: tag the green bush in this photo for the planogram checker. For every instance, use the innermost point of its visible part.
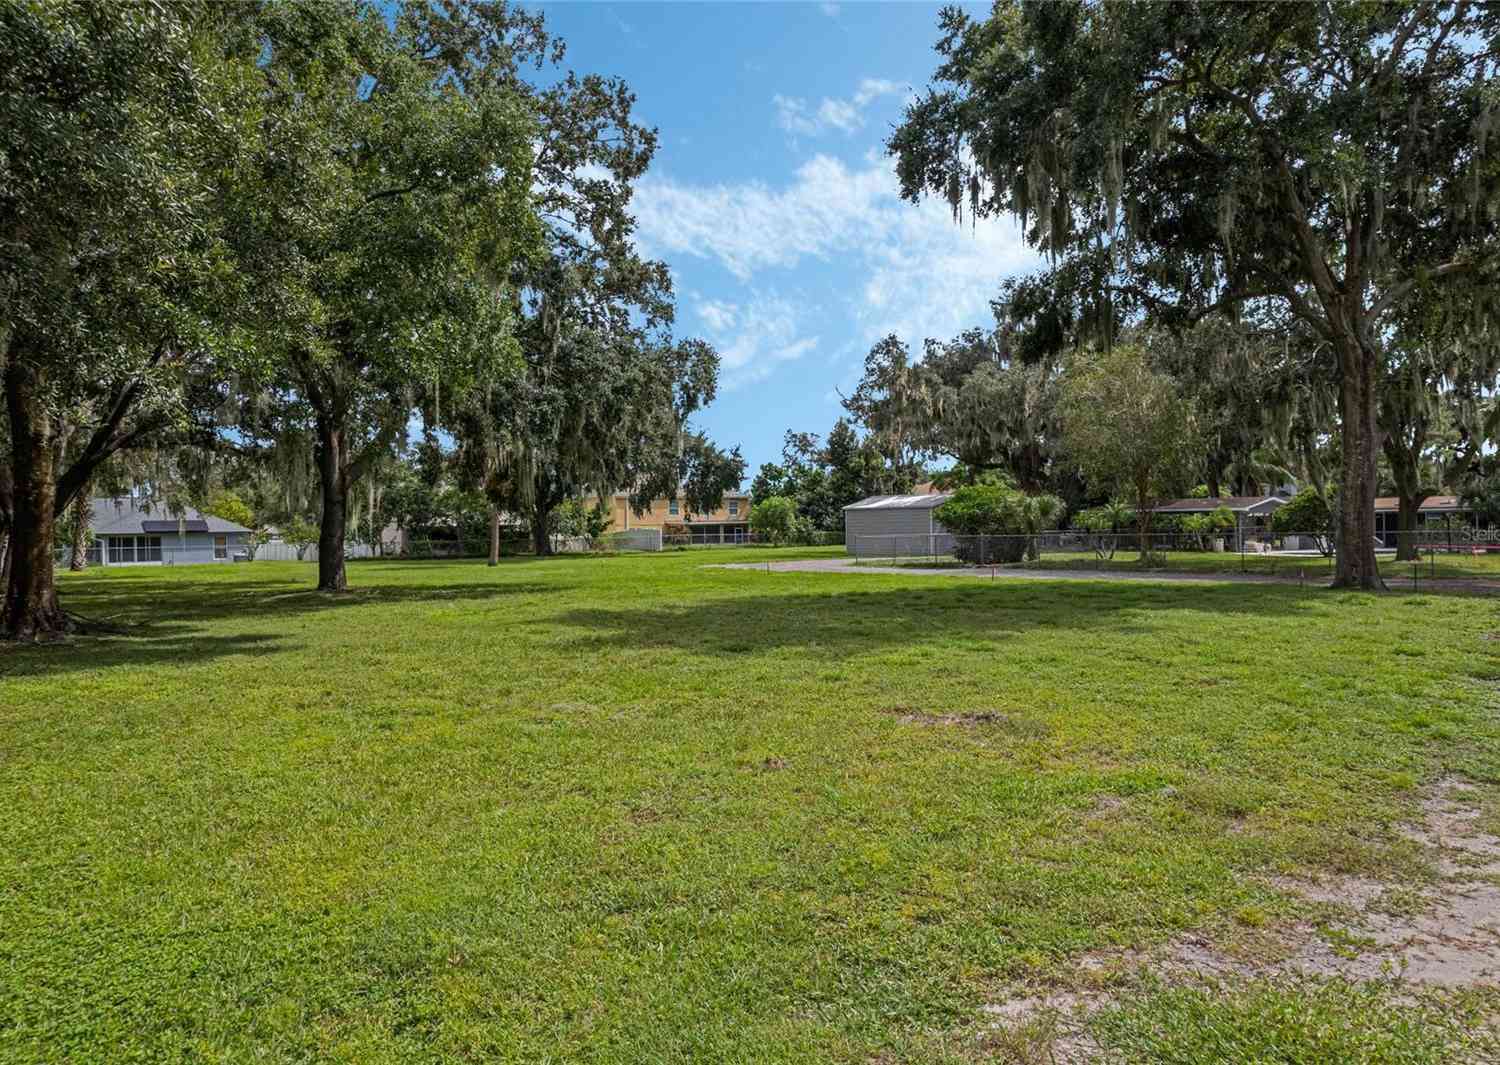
(1309, 513)
(1204, 527)
(775, 520)
(1012, 521)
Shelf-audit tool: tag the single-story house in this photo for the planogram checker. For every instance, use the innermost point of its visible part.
(1436, 515)
(129, 531)
(1252, 514)
(896, 525)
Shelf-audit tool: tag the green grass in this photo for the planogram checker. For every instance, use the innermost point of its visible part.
(1312, 567)
(638, 810)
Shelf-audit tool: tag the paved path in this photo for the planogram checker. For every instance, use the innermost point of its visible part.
(847, 565)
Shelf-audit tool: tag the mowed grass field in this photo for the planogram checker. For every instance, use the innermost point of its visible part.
(1405, 576)
(639, 810)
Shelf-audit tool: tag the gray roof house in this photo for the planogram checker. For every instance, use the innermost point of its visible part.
(896, 525)
(130, 531)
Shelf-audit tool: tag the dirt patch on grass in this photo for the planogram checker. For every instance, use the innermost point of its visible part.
(998, 719)
(1443, 935)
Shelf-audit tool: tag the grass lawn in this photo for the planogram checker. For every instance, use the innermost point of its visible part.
(637, 810)
(1446, 565)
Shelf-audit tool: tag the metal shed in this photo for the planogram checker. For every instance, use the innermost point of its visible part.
(896, 525)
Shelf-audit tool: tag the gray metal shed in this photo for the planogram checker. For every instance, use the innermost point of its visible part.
(895, 525)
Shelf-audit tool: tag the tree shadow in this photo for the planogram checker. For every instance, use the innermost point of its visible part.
(163, 624)
(836, 624)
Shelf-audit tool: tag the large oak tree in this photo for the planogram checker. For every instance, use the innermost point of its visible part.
(381, 214)
(117, 120)
(1336, 158)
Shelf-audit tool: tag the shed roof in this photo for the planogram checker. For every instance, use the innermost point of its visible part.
(119, 517)
(1238, 504)
(921, 502)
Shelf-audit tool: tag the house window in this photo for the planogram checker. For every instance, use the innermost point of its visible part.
(672, 508)
(134, 548)
(221, 547)
(734, 507)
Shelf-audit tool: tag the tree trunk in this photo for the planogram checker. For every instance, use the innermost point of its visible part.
(1143, 523)
(1407, 547)
(1359, 437)
(494, 536)
(540, 541)
(30, 610)
(333, 471)
(80, 512)
(1403, 450)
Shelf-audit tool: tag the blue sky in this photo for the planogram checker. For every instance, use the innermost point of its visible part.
(773, 202)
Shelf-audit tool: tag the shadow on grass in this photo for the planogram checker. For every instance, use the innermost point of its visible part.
(163, 623)
(852, 621)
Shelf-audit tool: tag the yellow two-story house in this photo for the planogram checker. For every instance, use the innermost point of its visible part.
(728, 523)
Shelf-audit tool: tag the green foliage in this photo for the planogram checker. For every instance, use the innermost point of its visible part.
(1107, 517)
(1012, 518)
(229, 506)
(1310, 513)
(968, 399)
(824, 476)
(301, 534)
(1481, 495)
(774, 519)
(1128, 430)
(1104, 522)
(1334, 164)
(1204, 527)
(575, 518)
(1306, 512)
(377, 216)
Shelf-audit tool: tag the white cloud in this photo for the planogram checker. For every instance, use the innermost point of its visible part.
(754, 338)
(912, 270)
(840, 113)
(792, 115)
(795, 115)
(871, 89)
(831, 10)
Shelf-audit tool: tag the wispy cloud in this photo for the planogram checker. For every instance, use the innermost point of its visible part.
(913, 271)
(755, 337)
(797, 116)
(831, 10)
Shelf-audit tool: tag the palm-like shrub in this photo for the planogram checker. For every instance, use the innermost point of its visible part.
(996, 524)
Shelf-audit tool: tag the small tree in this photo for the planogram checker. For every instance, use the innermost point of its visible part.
(301, 535)
(1129, 431)
(257, 539)
(1308, 513)
(774, 520)
(229, 506)
(576, 519)
(1203, 527)
(1103, 523)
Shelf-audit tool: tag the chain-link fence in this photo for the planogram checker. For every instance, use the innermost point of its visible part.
(1439, 555)
(732, 539)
